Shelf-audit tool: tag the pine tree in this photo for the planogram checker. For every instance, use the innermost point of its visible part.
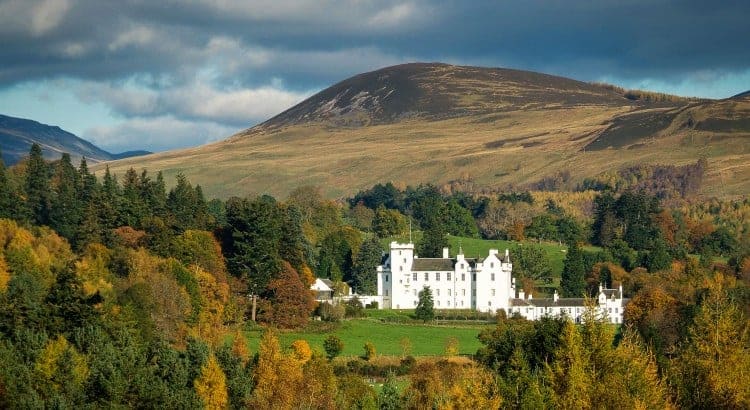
(434, 238)
(368, 259)
(65, 209)
(37, 187)
(425, 307)
(573, 281)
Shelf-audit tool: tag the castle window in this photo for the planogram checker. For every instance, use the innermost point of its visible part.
(437, 292)
(414, 276)
(449, 303)
(415, 292)
(463, 292)
(449, 276)
(404, 260)
(386, 292)
(493, 292)
(437, 275)
(386, 278)
(462, 303)
(449, 292)
(463, 277)
(492, 277)
(426, 276)
(474, 277)
(438, 302)
(492, 264)
(473, 292)
(462, 266)
(399, 253)
(401, 268)
(489, 303)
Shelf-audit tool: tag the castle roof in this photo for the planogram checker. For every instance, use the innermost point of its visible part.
(441, 264)
(549, 302)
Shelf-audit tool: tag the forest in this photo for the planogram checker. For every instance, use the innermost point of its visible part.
(118, 292)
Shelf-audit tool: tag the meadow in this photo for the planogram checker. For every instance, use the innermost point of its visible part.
(387, 336)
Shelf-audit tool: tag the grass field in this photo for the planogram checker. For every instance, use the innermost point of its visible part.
(426, 340)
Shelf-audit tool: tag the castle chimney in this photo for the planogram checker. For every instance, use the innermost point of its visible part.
(521, 294)
(555, 296)
(445, 253)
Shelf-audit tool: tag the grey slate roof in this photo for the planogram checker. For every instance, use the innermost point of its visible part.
(548, 302)
(440, 264)
(432, 264)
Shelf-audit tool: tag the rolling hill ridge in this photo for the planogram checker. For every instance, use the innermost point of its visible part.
(18, 134)
(498, 128)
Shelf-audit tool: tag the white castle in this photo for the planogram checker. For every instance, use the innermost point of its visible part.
(483, 284)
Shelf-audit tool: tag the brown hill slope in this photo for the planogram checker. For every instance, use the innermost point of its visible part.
(418, 123)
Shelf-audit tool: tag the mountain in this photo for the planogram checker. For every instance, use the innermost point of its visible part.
(497, 128)
(18, 134)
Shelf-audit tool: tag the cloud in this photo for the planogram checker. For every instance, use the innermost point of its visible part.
(47, 15)
(156, 134)
(392, 17)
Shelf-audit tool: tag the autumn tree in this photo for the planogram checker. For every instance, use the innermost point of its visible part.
(211, 385)
(291, 302)
(709, 370)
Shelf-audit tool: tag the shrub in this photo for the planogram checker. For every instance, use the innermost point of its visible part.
(333, 346)
(369, 351)
(354, 308)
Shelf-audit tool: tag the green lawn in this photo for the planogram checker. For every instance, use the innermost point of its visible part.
(426, 340)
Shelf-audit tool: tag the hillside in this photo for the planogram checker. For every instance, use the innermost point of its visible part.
(18, 134)
(419, 123)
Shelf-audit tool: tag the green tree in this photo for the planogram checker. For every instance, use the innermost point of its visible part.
(9, 198)
(254, 228)
(425, 306)
(364, 280)
(573, 280)
(37, 187)
(388, 222)
(65, 208)
(333, 346)
(530, 261)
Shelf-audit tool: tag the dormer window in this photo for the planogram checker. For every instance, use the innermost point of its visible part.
(492, 264)
(462, 266)
(426, 276)
(414, 276)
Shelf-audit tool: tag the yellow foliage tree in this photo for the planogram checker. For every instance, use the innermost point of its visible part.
(211, 385)
(714, 366)
(93, 272)
(277, 377)
(50, 363)
(570, 381)
(4, 274)
(214, 296)
(239, 347)
(301, 351)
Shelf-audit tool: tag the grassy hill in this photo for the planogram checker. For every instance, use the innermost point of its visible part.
(420, 123)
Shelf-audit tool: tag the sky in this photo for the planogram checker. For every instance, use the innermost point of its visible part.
(159, 75)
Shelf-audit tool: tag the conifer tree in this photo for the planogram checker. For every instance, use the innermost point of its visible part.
(368, 259)
(425, 307)
(573, 280)
(37, 187)
(211, 386)
(65, 208)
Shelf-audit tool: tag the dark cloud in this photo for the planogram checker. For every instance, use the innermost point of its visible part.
(142, 58)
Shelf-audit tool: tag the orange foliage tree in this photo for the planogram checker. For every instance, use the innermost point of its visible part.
(291, 302)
